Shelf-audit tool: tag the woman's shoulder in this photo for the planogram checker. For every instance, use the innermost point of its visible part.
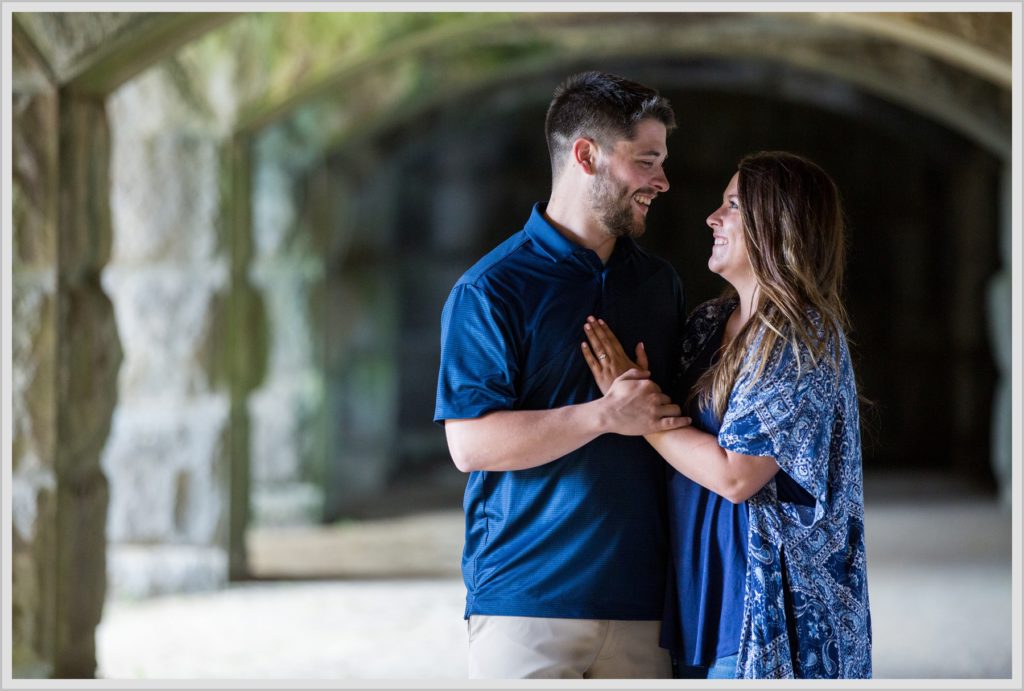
(821, 358)
(711, 312)
(703, 322)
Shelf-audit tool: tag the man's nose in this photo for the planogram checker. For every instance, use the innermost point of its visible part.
(660, 182)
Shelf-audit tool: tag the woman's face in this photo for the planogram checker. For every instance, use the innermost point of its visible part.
(729, 252)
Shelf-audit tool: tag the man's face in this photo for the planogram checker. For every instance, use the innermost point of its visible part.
(628, 178)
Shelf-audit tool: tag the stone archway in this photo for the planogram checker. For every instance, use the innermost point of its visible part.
(894, 59)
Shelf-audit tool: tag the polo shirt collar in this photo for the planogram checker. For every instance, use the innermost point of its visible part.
(547, 237)
(558, 247)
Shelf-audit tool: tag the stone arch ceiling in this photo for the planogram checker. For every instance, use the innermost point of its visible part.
(95, 52)
(954, 68)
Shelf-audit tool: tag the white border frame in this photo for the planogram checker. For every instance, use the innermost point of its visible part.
(6, 422)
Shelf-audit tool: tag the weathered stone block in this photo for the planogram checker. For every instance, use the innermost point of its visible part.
(165, 315)
(274, 212)
(30, 73)
(81, 572)
(25, 658)
(89, 356)
(33, 577)
(286, 429)
(160, 215)
(167, 484)
(286, 503)
(136, 571)
(286, 285)
(84, 178)
(34, 179)
(68, 38)
(34, 344)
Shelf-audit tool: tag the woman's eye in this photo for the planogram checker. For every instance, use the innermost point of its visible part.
(733, 205)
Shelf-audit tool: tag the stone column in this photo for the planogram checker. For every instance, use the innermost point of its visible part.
(1000, 319)
(245, 351)
(34, 341)
(289, 195)
(88, 356)
(973, 225)
(361, 322)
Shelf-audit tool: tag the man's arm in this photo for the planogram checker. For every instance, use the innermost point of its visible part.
(520, 439)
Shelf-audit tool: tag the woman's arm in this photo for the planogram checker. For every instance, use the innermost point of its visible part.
(697, 455)
(694, 453)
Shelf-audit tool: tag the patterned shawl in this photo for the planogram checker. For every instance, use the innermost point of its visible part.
(805, 611)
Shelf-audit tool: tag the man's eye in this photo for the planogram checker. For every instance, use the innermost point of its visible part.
(646, 164)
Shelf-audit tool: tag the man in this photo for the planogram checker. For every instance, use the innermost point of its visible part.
(565, 551)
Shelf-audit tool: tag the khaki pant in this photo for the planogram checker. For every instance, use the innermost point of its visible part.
(539, 648)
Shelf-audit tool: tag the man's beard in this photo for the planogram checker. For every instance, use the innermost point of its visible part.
(613, 205)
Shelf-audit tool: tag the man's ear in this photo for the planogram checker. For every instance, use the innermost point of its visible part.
(584, 155)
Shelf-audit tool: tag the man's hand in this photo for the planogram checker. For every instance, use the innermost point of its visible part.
(634, 405)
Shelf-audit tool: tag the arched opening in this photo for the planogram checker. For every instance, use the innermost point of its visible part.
(402, 209)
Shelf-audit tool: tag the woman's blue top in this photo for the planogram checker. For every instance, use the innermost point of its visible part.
(708, 542)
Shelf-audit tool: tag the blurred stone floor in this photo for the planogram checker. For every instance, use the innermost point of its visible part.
(382, 599)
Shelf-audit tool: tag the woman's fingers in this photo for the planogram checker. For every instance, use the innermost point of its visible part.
(598, 342)
(591, 360)
(597, 365)
(634, 373)
(670, 410)
(641, 355)
(606, 337)
(603, 340)
(670, 423)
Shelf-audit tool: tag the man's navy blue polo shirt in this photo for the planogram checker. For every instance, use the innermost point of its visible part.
(583, 536)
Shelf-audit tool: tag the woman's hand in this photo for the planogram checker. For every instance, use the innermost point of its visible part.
(605, 356)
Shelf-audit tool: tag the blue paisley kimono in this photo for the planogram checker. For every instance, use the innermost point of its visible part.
(805, 612)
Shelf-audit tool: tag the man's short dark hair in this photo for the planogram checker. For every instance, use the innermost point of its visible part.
(601, 106)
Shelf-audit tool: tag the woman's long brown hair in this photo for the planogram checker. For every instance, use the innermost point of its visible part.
(795, 236)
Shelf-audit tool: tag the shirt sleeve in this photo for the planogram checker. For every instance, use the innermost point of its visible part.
(478, 364)
(787, 414)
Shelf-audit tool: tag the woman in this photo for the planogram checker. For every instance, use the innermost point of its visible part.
(766, 500)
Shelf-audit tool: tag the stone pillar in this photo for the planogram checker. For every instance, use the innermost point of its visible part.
(34, 341)
(167, 277)
(289, 197)
(88, 356)
(973, 226)
(245, 351)
(362, 322)
(1000, 319)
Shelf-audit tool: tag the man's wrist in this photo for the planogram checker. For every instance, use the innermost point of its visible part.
(595, 416)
